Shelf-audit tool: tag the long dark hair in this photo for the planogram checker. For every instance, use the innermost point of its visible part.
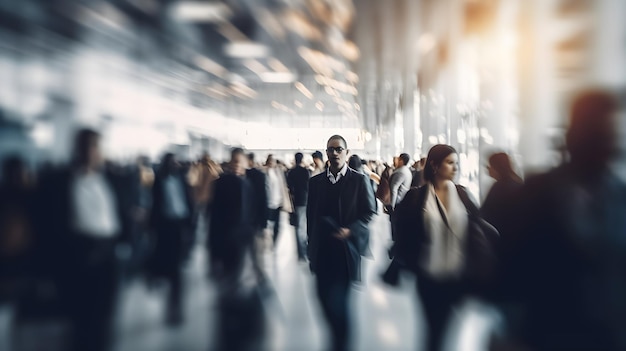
(436, 155)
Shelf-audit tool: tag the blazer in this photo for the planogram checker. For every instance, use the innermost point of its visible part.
(298, 182)
(357, 205)
(257, 181)
(412, 241)
(232, 225)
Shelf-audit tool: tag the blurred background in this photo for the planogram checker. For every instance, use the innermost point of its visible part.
(280, 76)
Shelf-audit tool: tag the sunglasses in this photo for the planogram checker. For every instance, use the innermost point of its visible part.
(337, 149)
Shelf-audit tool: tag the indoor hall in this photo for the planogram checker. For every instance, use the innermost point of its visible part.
(312, 174)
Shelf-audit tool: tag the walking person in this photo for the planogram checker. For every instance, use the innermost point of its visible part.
(339, 207)
(298, 182)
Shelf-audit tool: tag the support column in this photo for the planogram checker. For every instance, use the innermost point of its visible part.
(538, 110)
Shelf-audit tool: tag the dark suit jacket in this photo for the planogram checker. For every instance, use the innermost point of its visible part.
(158, 198)
(257, 181)
(357, 209)
(232, 223)
(499, 205)
(412, 239)
(58, 246)
(298, 183)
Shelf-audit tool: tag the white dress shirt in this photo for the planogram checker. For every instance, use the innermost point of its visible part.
(341, 174)
(93, 204)
(274, 191)
(175, 203)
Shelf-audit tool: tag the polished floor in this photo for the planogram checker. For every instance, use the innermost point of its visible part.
(284, 316)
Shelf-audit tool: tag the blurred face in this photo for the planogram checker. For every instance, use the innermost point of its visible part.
(448, 168)
(493, 173)
(337, 153)
(239, 163)
(271, 161)
(94, 156)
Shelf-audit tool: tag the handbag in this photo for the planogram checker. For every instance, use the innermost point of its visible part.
(482, 259)
(293, 218)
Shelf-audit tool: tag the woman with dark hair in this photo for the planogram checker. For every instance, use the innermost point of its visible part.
(497, 207)
(440, 238)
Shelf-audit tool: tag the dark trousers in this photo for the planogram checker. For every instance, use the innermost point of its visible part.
(274, 216)
(333, 291)
(168, 259)
(89, 288)
(437, 298)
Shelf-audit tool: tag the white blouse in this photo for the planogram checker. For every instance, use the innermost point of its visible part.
(446, 254)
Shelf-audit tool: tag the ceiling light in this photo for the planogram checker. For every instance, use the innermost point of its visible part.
(350, 51)
(255, 66)
(306, 92)
(245, 50)
(276, 65)
(196, 11)
(230, 32)
(319, 105)
(277, 77)
(243, 90)
(352, 77)
(210, 66)
(298, 103)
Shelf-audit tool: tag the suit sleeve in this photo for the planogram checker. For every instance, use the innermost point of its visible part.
(311, 218)
(394, 186)
(263, 206)
(366, 203)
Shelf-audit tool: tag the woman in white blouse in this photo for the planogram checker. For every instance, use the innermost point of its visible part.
(435, 239)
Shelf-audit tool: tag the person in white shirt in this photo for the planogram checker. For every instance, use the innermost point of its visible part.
(277, 194)
(171, 220)
(83, 227)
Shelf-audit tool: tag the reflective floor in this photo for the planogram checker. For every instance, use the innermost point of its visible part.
(385, 319)
(284, 316)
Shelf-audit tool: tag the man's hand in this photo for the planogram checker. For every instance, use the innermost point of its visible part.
(342, 233)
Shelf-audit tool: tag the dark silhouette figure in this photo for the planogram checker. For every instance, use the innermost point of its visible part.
(257, 180)
(339, 208)
(499, 205)
(298, 183)
(565, 267)
(171, 219)
(80, 226)
(16, 227)
(233, 221)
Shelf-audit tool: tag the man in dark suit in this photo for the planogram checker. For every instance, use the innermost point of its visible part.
(339, 208)
(171, 220)
(79, 227)
(257, 180)
(233, 223)
(298, 183)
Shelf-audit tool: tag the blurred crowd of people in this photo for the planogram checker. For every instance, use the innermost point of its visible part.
(549, 252)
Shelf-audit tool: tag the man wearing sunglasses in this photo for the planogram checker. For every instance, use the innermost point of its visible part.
(339, 208)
